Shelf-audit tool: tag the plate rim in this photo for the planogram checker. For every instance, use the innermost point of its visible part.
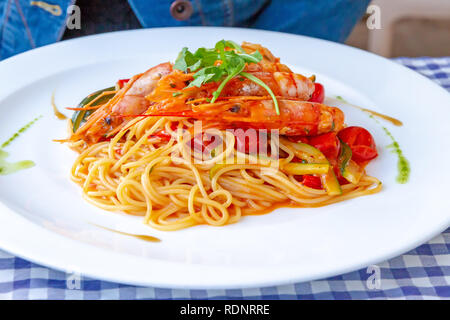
(11, 242)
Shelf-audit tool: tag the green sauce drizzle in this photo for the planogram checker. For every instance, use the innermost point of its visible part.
(19, 132)
(11, 167)
(403, 166)
(8, 168)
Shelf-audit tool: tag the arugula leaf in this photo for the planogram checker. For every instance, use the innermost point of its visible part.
(232, 64)
(230, 44)
(234, 67)
(184, 60)
(205, 75)
(254, 57)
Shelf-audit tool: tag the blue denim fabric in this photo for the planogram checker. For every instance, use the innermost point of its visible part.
(23, 26)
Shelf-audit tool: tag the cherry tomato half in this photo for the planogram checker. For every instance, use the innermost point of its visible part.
(327, 143)
(318, 94)
(360, 142)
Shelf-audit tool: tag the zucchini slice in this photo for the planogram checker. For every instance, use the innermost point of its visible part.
(79, 117)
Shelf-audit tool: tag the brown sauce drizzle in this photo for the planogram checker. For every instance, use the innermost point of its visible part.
(137, 236)
(392, 120)
(56, 112)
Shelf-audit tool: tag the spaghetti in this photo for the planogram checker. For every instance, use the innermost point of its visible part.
(167, 170)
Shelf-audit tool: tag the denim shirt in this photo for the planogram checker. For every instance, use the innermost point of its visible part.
(26, 24)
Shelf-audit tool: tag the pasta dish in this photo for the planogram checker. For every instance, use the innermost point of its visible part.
(220, 133)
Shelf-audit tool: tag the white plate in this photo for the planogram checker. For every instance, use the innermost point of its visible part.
(44, 219)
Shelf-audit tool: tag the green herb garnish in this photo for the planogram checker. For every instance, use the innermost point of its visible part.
(202, 62)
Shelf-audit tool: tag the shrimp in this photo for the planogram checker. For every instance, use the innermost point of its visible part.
(283, 84)
(297, 118)
(163, 91)
(269, 69)
(269, 62)
(134, 101)
(280, 79)
(129, 101)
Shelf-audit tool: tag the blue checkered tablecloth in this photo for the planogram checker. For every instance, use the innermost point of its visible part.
(423, 273)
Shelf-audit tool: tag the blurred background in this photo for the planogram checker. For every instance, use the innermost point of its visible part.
(390, 28)
(410, 28)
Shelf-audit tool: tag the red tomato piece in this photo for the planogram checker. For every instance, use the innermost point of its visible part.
(360, 142)
(122, 82)
(318, 94)
(163, 135)
(342, 181)
(364, 153)
(327, 143)
(298, 139)
(249, 143)
(200, 143)
(205, 142)
(312, 181)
